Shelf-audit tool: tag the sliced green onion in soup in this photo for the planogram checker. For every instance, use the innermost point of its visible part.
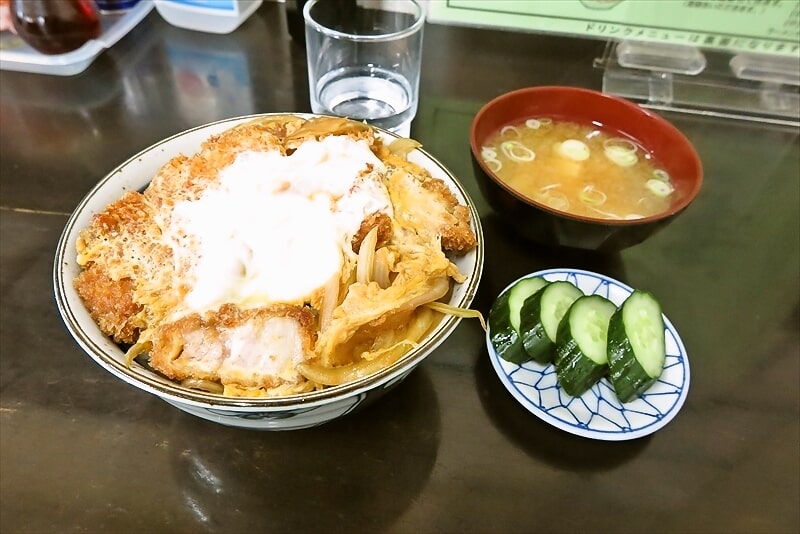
(488, 152)
(489, 156)
(535, 124)
(661, 174)
(620, 144)
(659, 188)
(505, 129)
(554, 199)
(606, 214)
(621, 158)
(621, 151)
(592, 196)
(574, 149)
(494, 164)
(516, 151)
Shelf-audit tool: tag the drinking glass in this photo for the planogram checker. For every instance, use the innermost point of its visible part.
(364, 60)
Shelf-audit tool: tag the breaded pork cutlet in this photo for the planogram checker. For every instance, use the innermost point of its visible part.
(123, 258)
(424, 201)
(187, 177)
(256, 348)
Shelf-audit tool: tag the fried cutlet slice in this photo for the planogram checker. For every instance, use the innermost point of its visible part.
(187, 177)
(120, 236)
(378, 220)
(110, 303)
(426, 203)
(254, 348)
(122, 258)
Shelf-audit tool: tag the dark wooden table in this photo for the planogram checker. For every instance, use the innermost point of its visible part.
(448, 450)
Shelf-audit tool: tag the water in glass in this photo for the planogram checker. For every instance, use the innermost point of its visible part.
(376, 95)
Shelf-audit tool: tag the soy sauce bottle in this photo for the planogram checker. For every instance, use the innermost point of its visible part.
(55, 26)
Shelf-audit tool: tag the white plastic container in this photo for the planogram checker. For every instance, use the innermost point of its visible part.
(214, 16)
(16, 55)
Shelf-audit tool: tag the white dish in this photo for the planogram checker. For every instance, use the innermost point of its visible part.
(598, 413)
(290, 412)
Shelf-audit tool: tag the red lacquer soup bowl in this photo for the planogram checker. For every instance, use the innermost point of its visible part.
(616, 116)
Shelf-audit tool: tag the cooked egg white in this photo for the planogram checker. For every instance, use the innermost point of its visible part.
(275, 228)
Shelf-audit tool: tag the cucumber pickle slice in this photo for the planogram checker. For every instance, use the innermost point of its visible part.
(540, 315)
(504, 319)
(581, 357)
(636, 345)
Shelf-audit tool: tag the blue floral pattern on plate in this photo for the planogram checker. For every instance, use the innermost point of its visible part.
(598, 413)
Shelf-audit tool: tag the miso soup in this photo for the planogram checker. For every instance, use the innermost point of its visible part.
(578, 168)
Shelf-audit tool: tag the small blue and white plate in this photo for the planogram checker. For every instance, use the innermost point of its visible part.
(598, 413)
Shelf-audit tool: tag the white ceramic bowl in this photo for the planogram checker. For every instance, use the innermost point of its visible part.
(282, 413)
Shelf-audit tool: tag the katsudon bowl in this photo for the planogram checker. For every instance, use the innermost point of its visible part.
(557, 192)
(292, 411)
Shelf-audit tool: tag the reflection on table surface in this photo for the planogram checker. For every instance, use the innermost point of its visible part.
(449, 449)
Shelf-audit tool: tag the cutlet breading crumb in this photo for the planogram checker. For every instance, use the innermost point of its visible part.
(423, 201)
(110, 303)
(457, 235)
(380, 220)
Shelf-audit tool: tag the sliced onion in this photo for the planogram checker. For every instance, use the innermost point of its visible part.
(137, 349)
(516, 151)
(403, 146)
(533, 124)
(505, 129)
(366, 257)
(659, 188)
(330, 299)
(592, 196)
(436, 289)
(574, 149)
(422, 320)
(332, 376)
(455, 311)
(204, 385)
(380, 269)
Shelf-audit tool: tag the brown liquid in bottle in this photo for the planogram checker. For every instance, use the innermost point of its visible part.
(55, 26)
